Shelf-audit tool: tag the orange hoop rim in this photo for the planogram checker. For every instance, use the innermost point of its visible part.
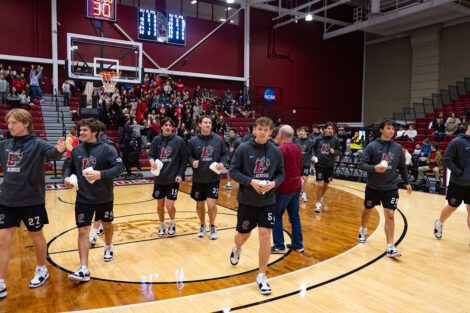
(107, 76)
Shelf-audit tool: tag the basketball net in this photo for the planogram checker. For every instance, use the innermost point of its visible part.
(109, 80)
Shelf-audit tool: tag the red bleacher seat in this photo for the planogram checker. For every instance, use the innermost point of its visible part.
(36, 113)
(48, 166)
(112, 133)
(37, 119)
(143, 155)
(450, 137)
(39, 126)
(144, 163)
(4, 106)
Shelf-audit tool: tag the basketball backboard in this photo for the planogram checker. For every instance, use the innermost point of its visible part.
(87, 56)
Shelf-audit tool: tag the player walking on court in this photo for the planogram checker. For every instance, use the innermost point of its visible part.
(325, 151)
(380, 160)
(457, 160)
(207, 154)
(258, 166)
(232, 144)
(23, 191)
(95, 163)
(170, 150)
(306, 146)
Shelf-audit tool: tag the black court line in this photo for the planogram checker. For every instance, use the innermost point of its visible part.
(405, 229)
(49, 259)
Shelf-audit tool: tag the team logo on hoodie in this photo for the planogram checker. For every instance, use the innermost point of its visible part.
(325, 148)
(165, 153)
(88, 162)
(261, 165)
(389, 157)
(207, 151)
(14, 158)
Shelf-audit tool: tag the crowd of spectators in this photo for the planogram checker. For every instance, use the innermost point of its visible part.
(19, 87)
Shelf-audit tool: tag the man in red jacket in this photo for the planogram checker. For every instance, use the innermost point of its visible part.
(288, 193)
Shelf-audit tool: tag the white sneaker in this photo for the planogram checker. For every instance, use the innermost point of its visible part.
(262, 282)
(438, 229)
(228, 187)
(161, 232)
(318, 207)
(213, 231)
(3, 290)
(40, 277)
(391, 253)
(100, 230)
(202, 231)
(82, 274)
(93, 236)
(235, 255)
(304, 197)
(362, 235)
(108, 253)
(172, 228)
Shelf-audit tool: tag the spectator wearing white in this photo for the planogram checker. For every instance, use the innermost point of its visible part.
(24, 98)
(66, 92)
(3, 88)
(411, 132)
(452, 116)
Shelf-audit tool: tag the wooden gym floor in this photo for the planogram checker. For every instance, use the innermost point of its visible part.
(190, 274)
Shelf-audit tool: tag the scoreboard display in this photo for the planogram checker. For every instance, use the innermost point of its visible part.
(161, 27)
(101, 9)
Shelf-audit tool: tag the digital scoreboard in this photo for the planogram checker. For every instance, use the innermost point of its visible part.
(161, 27)
(101, 9)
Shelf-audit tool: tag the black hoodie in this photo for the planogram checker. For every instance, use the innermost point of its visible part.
(22, 160)
(102, 157)
(321, 149)
(457, 159)
(206, 149)
(171, 151)
(257, 161)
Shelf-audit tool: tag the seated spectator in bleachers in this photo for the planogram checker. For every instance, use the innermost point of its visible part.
(462, 128)
(452, 127)
(13, 99)
(18, 83)
(452, 116)
(240, 97)
(439, 129)
(24, 99)
(228, 97)
(426, 148)
(433, 163)
(401, 133)
(411, 133)
(4, 87)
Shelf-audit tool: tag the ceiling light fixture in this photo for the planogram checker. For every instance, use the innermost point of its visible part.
(309, 17)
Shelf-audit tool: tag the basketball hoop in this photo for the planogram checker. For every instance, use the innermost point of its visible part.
(109, 80)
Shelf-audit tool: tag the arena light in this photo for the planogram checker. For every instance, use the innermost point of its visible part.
(309, 17)
(194, 2)
(230, 1)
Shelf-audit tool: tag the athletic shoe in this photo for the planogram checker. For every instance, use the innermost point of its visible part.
(100, 230)
(108, 253)
(202, 231)
(262, 282)
(3, 291)
(318, 207)
(82, 274)
(172, 228)
(213, 231)
(228, 187)
(40, 277)
(235, 255)
(161, 232)
(278, 251)
(291, 247)
(438, 229)
(93, 236)
(362, 235)
(391, 253)
(304, 197)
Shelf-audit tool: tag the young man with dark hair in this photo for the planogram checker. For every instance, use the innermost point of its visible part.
(232, 144)
(325, 150)
(170, 150)
(207, 154)
(258, 166)
(306, 146)
(23, 191)
(94, 163)
(380, 160)
(250, 135)
(457, 160)
(315, 132)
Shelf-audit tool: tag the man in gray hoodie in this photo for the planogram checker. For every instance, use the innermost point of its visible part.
(380, 160)
(457, 160)
(258, 166)
(23, 190)
(203, 150)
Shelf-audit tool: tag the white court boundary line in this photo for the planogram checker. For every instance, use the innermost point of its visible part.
(245, 285)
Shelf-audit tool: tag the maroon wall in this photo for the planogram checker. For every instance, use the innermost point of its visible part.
(321, 79)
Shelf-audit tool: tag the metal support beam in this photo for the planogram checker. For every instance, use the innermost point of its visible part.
(204, 39)
(246, 54)
(296, 9)
(55, 66)
(316, 18)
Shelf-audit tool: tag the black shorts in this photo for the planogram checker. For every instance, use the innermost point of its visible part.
(388, 198)
(201, 192)
(84, 213)
(456, 194)
(34, 217)
(248, 217)
(324, 173)
(305, 171)
(169, 191)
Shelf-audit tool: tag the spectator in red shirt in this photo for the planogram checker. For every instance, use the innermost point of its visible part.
(288, 193)
(179, 86)
(18, 83)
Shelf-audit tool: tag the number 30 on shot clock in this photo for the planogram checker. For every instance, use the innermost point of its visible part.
(102, 9)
